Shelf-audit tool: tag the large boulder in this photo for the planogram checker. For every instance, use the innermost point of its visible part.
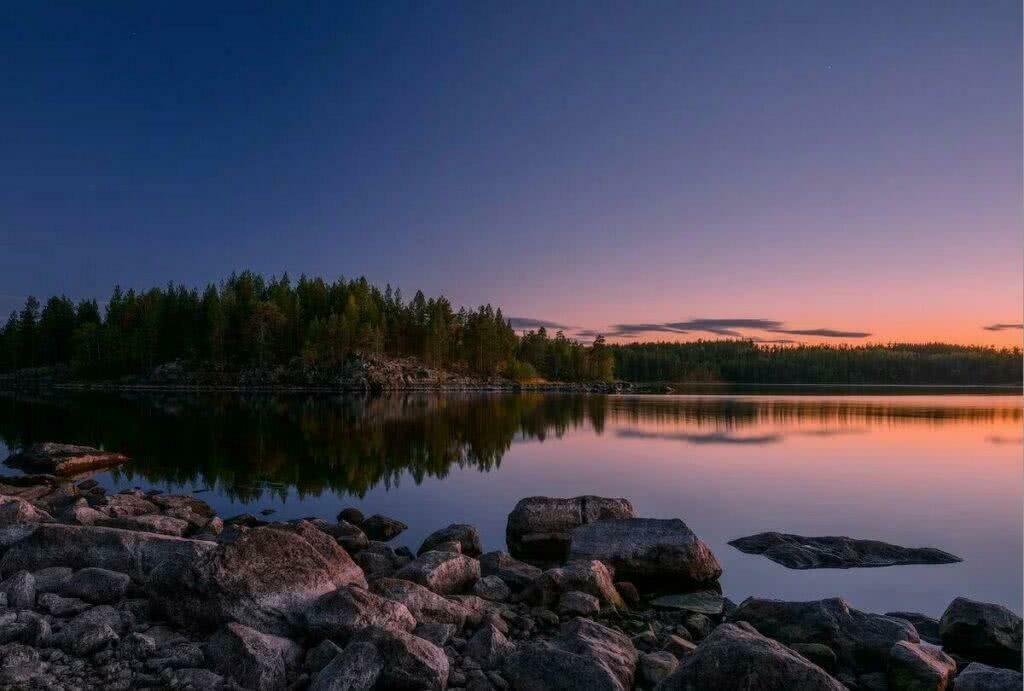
(489, 647)
(409, 662)
(99, 586)
(516, 574)
(63, 459)
(15, 510)
(916, 667)
(982, 631)
(584, 656)
(467, 536)
(356, 668)
(538, 527)
(425, 605)
(591, 577)
(979, 677)
(264, 578)
(647, 550)
(345, 612)
(862, 642)
(255, 660)
(799, 552)
(79, 547)
(446, 573)
(735, 657)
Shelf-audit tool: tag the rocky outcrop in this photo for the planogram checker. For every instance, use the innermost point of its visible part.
(982, 631)
(538, 528)
(736, 656)
(63, 459)
(799, 552)
(645, 550)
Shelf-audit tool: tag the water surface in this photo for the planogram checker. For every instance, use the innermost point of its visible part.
(917, 470)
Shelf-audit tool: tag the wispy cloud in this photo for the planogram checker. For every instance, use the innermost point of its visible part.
(732, 328)
(1003, 327)
(530, 323)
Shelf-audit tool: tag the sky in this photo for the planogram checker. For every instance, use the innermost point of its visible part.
(790, 171)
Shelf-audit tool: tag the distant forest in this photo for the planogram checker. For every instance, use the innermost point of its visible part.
(248, 321)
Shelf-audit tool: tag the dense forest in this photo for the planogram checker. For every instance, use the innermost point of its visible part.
(248, 321)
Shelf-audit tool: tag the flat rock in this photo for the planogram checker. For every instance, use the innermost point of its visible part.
(253, 659)
(344, 612)
(60, 606)
(50, 579)
(980, 677)
(538, 528)
(982, 631)
(424, 604)
(735, 656)
(799, 552)
(63, 459)
(516, 574)
(701, 602)
(467, 536)
(445, 573)
(357, 668)
(647, 550)
(149, 523)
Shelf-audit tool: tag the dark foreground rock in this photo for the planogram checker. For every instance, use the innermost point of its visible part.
(982, 631)
(63, 459)
(979, 677)
(538, 528)
(799, 552)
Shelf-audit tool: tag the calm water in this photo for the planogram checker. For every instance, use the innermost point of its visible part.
(917, 470)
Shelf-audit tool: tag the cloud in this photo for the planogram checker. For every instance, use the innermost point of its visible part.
(1003, 327)
(631, 329)
(826, 333)
(733, 328)
(529, 323)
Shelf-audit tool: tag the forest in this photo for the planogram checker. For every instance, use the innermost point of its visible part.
(248, 321)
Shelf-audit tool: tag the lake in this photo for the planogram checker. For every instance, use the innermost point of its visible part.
(918, 470)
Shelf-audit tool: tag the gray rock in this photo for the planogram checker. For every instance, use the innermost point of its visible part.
(63, 459)
(492, 588)
(343, 613)
(646, 550)
(915, 667)
(409, 663)
(983, 632)
(14, 511)
(62, 606)
(698, 625)
(80, 513)
(20, 589)
(382, 528)
(50, 580)
(979, 677)
(424, 605)
(438, 634)
(576, 603)
(819, 654)
(374, 564)
(831, 552)
(129, 505)
(735, 656)
(591, 577)
(466, 535)
(445, 573)
(538, 527)
(321, 655)
(253, 659)
(99, 586)
(357, 668)
(489, 647)
(517, 575)
(137, 646)
(90, 631)
(148, 523)
(18, 665)
(584, 656)
(352, 515)
(927, 627)
(195, 679)
(349, 536)
(699, 602)
(657, 666)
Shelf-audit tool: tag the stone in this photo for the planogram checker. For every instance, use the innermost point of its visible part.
(927, 627)
(18, 665)
(408, 662)
(445, 573)
(584, 656)
(517, 575)
(819, 654)
(25, 627)
(137, 646)
(657, 666)
(629, 593)
(196, 679)
(466, 535)
(80, 513)
(265, 578)
(352, 515)
(90, 631)
(982, 632)
(860, 640)
(148, 523)
(575, 603)
(591, 577)
(20, 589)
(99, 586)
(129, 505)
(62, 606)
(349, 536)
(915, 667)
(343, 613)
(374, 564)
(50, 579)
(382, 528)
(799, 552)
(699, 602)
(699, 625)
(425, 605)
(320, 655)
(438, 634)
(492, 588)
(980, 677)
(357, 668)
(647, 550)
(679, 646)
(735, 656)
(253, 659)
(489, 647)
(63, 459)
(538, 528)
(15, 510)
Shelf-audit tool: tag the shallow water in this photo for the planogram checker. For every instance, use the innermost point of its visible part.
(916, 470)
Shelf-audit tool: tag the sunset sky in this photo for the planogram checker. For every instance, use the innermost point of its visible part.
(787, 171)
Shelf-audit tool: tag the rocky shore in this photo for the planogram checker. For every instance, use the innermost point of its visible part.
(142, 590)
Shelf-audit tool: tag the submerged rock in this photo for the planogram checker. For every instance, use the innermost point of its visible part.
(798, 552)
(538, 528)
(982, 631)
(63, 459)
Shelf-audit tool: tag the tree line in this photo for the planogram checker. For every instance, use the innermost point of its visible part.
(249, 321)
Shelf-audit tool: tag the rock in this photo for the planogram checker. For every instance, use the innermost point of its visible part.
(452, 546)
(585, 656)
(14, 510)
(538, 527)
(679, 646)
(927, 627)
(352, 515)
(20, 589)
(99, 586)
(735, 656)
(382, 528)
(799, 552)
(914, 667)
(516, 574)
(62, 606)
(265, 579)
(576, 603)
(491, 588)
(656, 667)
(50, 579)
(698, 625)
(195, 679)
(983, 632)
(321, 655)
(343, 613)
(861, 641)
(253, 659)
(63, 459)
(149, 523)
(79, 547)
(443, 572)
(466, 535)
(18, 665)
(629, 593)
(424, 605)
(409, 663)
(374, 564)
(128, 506)
(647, 550)
(489, 647)
(438, 634)
(979, 677)
(590, 577)
(357, 668)
(349, 536)
(80, 513)
(819, 654)
(25, 627)
(90, 631)
(137, 646)
(700, 602)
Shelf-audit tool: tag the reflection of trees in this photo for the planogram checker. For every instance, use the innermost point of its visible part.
(251, 445)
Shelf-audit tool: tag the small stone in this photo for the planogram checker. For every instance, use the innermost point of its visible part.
(60, 606)
(20, 589)
(655, 667)
(491, 588)
(701, 602)
(576, 603)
